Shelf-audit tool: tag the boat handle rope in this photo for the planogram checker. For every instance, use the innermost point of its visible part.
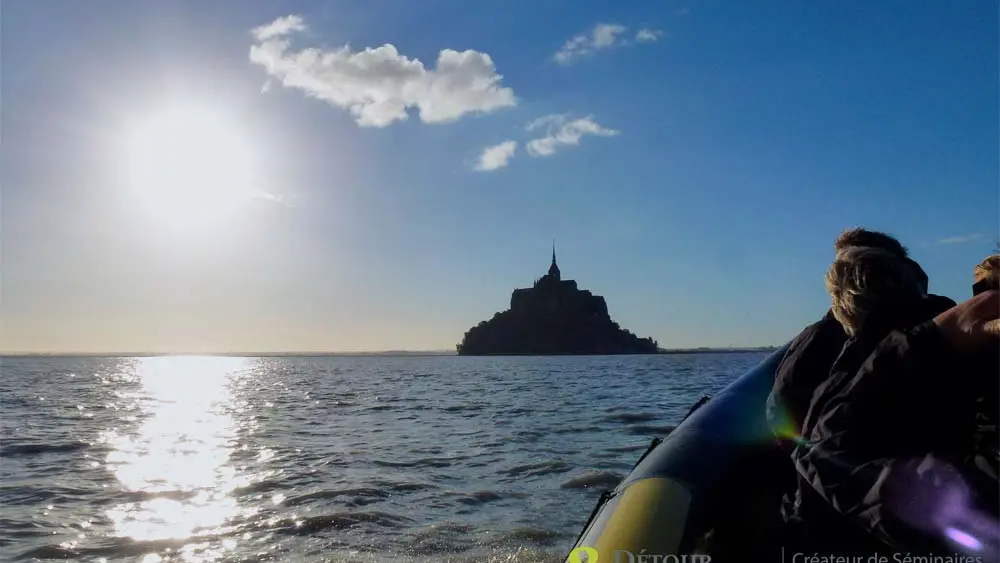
(697, 405)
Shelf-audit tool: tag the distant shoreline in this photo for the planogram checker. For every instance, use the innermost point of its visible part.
(390, 353)
(720, 350)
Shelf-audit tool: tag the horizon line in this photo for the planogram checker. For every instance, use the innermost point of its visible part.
(306, 353)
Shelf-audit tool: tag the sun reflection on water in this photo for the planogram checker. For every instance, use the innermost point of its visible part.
(176, 465)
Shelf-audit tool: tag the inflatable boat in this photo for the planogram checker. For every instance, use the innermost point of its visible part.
(710, 491)
(695, 483)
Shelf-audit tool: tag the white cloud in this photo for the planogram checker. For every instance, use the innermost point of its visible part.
(647, 35)
(603, 36)
(961, 239)
(496, 156)
(563, 133)
(554, 119)
(267, 196)
(378, 85)
(279, 27)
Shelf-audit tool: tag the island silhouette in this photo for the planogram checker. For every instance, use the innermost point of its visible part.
(553, 317)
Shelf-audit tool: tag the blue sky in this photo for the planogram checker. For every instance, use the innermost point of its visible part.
(697, 161)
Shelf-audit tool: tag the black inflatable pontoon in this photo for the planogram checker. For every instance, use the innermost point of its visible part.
(665, 505)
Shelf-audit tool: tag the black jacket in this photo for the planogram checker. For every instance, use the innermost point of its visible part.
(858, 348)
(891, 451)
(986, 363)
(805, 365)
(811, 356)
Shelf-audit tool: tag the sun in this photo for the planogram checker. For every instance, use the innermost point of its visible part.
(190, 167)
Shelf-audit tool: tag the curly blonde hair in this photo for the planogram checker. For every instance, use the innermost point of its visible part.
(987, 269)
(986, 274)
(864, 279)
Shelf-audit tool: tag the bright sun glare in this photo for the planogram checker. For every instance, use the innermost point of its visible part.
(190, 167)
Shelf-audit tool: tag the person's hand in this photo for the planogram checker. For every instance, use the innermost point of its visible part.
(972, 323)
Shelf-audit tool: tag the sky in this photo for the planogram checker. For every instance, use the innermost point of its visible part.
(278, 175)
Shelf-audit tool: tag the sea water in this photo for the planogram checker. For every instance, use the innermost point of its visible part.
(219, 459)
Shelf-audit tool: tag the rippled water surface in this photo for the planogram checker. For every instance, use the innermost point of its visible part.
(205, 459)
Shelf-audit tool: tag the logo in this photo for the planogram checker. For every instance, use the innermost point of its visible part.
(590, 555)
